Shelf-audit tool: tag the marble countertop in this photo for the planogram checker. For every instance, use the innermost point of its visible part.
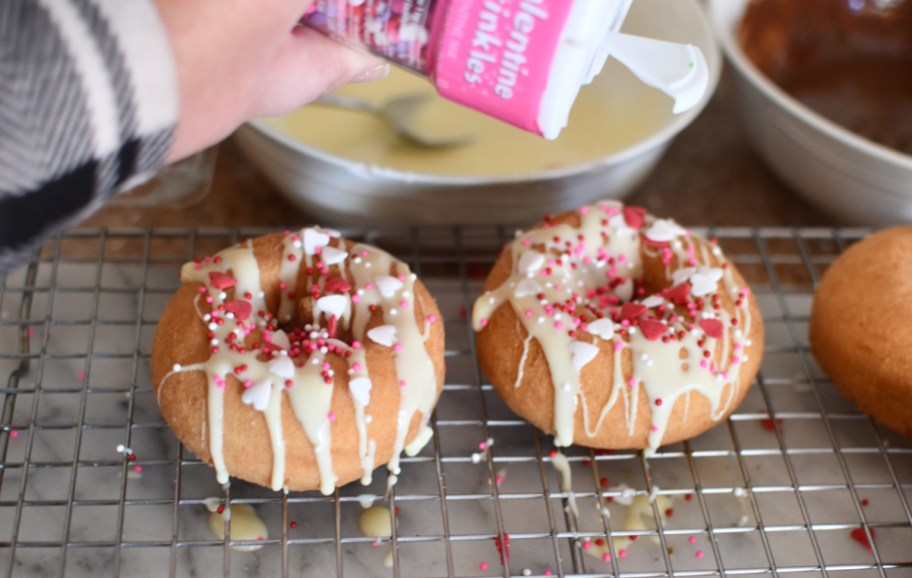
(709, 176)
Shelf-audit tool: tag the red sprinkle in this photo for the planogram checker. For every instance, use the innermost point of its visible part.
(337, 285)
(712, 327)
(221, 280)
(858, 534)
(502, 543)
(630, 311)
(652, 329)
(240, 309)
(865, 502)
(635, 217)
(293, 524)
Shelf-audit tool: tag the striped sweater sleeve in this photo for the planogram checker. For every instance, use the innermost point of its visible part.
(88, 104)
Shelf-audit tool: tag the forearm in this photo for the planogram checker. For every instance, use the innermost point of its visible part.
(88, 102)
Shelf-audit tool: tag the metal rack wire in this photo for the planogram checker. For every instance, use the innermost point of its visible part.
(794, 483)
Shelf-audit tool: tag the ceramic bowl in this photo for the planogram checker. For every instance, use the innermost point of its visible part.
(852, 178)
(333, 187)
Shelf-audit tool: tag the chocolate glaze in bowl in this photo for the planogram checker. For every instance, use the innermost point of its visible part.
(849, 60)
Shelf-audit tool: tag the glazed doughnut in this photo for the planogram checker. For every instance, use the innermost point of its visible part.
(299, 361)
(612, 329)
(859, 330)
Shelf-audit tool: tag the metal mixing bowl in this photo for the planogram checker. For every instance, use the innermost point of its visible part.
(336, 189)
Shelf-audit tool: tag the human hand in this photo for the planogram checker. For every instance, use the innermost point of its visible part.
(238, 59)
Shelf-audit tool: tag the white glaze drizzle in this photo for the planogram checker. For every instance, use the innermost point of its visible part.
(590, 268)
(308, 383)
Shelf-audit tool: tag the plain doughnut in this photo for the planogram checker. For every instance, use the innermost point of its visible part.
(859, 331)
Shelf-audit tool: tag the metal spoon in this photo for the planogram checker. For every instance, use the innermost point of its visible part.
(401, 112)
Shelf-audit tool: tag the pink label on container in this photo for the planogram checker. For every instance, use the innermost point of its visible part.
(495, 55)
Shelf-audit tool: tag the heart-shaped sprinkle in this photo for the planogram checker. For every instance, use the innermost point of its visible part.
(526, 287)
(705, 280)
(601, 328)
(280, 339)
(652, 301)
(337, 285)
(664, 231)
(530, 262)
(360, 388)
(712, 327)
(625, 290)
(679, 294)
(383, 334)
(582, 353)
(333, 256)
(314, 239)
(630, 311)
(388, 285)
(652, 328)
(240, 309)
(221, 280)
(258, 395)
(679, 276)
(282, 366)
(635, 217)
(859, 535)
(332, 305)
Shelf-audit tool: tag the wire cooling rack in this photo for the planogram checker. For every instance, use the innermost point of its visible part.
(795, 483)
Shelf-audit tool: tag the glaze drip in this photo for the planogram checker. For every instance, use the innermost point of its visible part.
(578, 290)
(333, 309)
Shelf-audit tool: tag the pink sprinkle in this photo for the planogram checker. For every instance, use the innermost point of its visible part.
(499, 479)
(484, 322)
(606, 557)
(331, 416)
(356, 344)
(703, 363)
(631, 382)
(529, 313)
(248, 383)
(81, 375)
(692, 539)
(14, 433)
(432, 318)
(137, 469)
(583, 210)
(397, 347)
(356, 366)
(618, 346)
(558, 325)
(326, 365)
(374, 544)
(654, 428)
(401, 277)
(209, 299)
(736, 359)
(700, 554)
(737, 347)
(483, 565)
(364, 253)
(526, 242)
(403, 303)
(31, 332)
(283, 285)
(547, 572)
(587, 544)
(357, 299)
(402, 383)
(482, 446)
(622, 553)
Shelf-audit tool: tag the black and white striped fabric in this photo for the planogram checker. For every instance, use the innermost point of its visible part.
(88, 105)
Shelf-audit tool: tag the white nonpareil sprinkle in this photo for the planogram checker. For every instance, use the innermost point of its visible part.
(476, 458)
(177, 367)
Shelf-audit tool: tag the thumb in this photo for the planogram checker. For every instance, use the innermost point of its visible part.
(310, 65)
